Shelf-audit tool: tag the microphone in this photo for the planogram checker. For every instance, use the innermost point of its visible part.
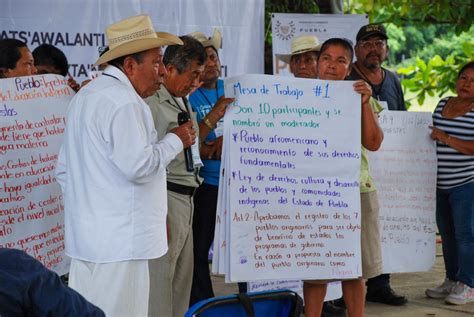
(183, 117)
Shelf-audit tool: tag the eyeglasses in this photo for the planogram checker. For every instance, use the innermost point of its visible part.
(371, 44)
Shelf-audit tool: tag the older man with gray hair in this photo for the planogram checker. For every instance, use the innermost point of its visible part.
(174, 271)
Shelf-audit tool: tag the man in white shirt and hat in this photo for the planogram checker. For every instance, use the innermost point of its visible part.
(112, 170)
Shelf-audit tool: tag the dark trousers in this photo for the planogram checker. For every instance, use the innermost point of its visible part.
(376, 283)
(204, 223)
(455, 220)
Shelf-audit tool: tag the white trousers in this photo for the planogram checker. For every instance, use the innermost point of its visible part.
(120, 289)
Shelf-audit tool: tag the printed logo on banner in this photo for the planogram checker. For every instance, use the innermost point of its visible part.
(313, 30)
(285, 31)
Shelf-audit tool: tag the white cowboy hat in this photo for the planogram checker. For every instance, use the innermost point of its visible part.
(133, 35)
(215, 40)
(301, 44)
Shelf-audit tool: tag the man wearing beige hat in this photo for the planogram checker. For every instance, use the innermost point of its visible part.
(111, 169)
(303, 59)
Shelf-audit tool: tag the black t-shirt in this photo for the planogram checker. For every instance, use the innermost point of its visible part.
(389, 90)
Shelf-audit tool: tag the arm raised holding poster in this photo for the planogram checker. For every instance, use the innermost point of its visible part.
(292, 181)
(372, 135)
(334, 63)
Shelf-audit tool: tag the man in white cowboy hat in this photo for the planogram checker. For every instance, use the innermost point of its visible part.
(209, 103)
(112, 170)
(303, 59)
(174, 271)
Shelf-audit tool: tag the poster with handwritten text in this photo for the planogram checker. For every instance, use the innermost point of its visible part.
(404, 171)
(291, 177)
(32, 123)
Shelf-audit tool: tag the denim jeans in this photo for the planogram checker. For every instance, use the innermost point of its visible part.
(455, 220)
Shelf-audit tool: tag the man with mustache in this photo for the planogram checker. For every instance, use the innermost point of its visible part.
(371, 50)
(173, 272)
(111, 169)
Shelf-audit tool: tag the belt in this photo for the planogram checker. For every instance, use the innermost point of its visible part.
(181, 189)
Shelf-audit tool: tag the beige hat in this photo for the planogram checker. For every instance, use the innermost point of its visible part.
(214, 41)
(301, 44)
(133, 35)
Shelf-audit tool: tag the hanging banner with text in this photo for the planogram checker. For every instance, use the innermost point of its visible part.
(404, 171)
(32, 123)
(78, 27)
(286, 26)
(289, 202)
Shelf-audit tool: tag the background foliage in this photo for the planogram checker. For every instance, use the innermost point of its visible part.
(429, 40)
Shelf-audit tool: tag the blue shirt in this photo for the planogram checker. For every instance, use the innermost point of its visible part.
(202, 101)
(27, 288)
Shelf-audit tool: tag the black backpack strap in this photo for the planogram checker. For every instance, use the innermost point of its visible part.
(246, 303)
(298, 309)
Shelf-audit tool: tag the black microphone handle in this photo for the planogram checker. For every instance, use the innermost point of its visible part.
(188, 157)
(183, 117)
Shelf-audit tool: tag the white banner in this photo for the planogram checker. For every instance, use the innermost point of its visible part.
(286, 26)
(291, 195)
(32, 123)
(404, 171)
(77, 26)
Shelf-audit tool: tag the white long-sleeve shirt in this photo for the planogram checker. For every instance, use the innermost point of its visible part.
(112, 171)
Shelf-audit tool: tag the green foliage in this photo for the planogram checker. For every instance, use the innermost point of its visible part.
(425, 42)
(396, 41)
(435, 64)
(429, 40)
(435, 77)
(434, 36)
(458, 13)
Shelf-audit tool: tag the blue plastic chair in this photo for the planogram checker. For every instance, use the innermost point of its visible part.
(278, 303)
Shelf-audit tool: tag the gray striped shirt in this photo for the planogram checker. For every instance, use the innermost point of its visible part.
(454, 168)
